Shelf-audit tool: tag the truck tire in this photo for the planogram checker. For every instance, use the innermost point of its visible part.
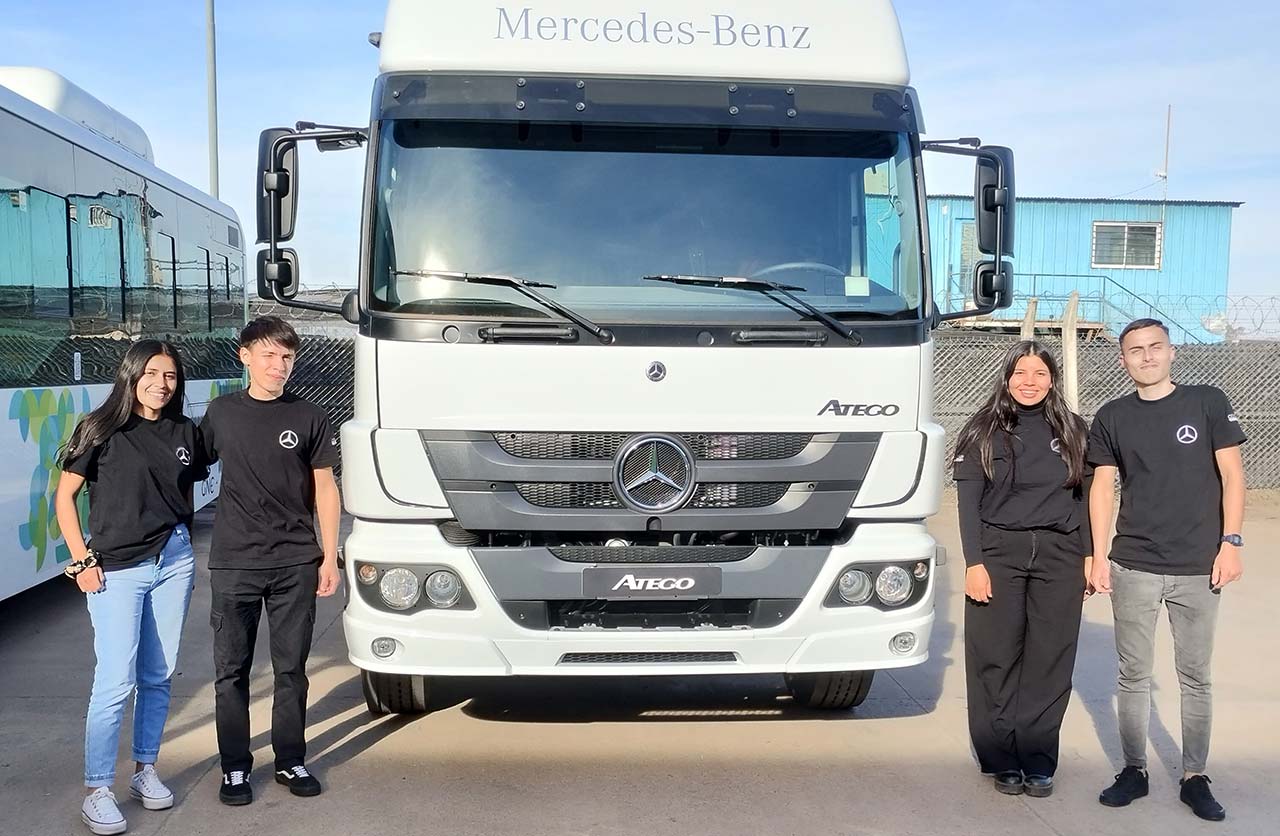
(834, 690)
(394, 693)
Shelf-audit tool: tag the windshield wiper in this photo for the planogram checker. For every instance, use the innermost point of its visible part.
(522, 286)
(764, 286)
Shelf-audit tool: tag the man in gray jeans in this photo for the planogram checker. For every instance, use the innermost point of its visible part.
(1177, 450)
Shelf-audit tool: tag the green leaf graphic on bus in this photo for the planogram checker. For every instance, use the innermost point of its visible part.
(223, 387)
(46, 419)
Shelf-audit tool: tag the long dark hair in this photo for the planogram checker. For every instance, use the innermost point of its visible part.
(999, 415)
(98, 425)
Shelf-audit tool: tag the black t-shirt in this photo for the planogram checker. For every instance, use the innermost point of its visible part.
(1170, 520)
(266, 506)
(140, 481)
(1027, 489)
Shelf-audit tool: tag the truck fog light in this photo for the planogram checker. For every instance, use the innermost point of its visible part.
(399, 588)
(903, 643)
(894, 585)
(855, 587)
(383, 647)
(921, 571)
(444, 588)
(367, 574)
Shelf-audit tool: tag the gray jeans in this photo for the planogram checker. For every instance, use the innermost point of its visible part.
(1193, 612)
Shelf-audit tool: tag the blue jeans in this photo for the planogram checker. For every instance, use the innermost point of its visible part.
(137, 623)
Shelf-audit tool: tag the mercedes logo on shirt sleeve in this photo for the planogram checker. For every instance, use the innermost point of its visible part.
(288, 439)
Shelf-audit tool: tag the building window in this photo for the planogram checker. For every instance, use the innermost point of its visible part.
(1127, 245)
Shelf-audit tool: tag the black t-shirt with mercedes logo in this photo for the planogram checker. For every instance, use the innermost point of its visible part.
(140, 481)
(1170, 520)
(266, 505)
(1027, 490)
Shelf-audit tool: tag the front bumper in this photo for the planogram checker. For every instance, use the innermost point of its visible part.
(485, 641)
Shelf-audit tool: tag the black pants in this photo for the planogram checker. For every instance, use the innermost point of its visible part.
(1020, 648)
(289, 594)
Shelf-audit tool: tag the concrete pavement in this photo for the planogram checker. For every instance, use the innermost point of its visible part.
(653, 756)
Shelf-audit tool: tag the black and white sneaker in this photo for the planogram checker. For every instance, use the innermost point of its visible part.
(298, 780)
(235, 789)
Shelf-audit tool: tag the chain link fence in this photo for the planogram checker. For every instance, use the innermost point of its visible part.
(965, 363)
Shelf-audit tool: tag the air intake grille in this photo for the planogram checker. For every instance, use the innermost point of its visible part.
(738, 494)
(600, 494)
(646, 658)
(653, 554)
(706, 446)
(569, 494)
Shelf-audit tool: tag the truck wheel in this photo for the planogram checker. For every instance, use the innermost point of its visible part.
(837, 689)
(394, 693)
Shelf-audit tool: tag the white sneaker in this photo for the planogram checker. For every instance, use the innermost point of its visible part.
(147, 787)
(101, 813)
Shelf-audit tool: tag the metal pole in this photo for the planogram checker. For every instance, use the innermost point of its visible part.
(211, 53)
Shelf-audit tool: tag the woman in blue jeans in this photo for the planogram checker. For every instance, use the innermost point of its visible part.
(139, 456)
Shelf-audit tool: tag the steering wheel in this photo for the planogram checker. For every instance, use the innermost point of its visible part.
(798, 265)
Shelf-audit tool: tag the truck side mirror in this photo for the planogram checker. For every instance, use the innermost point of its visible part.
(277, 184)
(993, 200)
(992, 289)
(278, 279)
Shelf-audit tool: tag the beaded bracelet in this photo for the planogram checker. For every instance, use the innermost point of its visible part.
(77, 566)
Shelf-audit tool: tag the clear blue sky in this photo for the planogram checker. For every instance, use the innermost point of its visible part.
(1078, 89)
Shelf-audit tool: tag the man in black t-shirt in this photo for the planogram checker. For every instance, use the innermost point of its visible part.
(278, 453)
(1177, 451)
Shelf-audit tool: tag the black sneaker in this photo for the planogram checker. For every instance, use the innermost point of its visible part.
(235, 789)
(298, 780)
(1008, 782)
(1195, 793)
(1130, 784)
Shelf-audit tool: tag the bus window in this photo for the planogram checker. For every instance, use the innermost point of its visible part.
(195, 287)
(97, 261)
(159, 297)
(33, 252)
(228, 292)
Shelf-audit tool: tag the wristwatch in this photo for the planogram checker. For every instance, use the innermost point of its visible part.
(1233, 539)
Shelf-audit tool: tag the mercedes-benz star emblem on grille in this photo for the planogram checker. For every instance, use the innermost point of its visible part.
(654, 474)
(656, 371)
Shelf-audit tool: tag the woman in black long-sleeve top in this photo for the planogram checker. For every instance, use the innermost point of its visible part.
(1022, 484)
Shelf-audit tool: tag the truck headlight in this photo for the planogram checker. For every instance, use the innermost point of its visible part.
(444, 588)
(894, 585)
(400, 588)
(856, 587)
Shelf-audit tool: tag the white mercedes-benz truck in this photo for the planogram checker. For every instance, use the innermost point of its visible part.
(643, 367)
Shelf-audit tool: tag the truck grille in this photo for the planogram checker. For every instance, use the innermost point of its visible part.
(646, 658)
(601, 495)
(706, 446)
(653, 554)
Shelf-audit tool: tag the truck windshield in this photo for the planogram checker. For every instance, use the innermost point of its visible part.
(593, 209)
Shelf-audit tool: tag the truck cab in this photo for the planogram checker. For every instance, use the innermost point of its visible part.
(643, 363)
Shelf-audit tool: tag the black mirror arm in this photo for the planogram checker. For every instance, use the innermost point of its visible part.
(309, 306)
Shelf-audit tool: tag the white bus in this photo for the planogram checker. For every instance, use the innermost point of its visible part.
(98, 247)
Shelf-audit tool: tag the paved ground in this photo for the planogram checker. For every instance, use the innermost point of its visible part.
(679, 756)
